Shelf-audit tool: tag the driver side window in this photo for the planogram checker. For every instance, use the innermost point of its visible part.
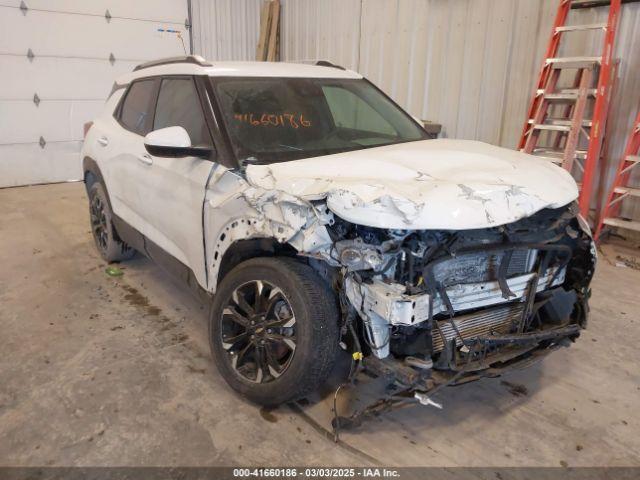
(179, 105)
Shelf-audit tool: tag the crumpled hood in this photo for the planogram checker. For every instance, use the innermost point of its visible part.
(430, 184)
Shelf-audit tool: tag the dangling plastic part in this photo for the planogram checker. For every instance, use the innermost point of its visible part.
(426, 401)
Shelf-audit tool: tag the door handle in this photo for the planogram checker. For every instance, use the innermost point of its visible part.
(146, 159)
(104, 141)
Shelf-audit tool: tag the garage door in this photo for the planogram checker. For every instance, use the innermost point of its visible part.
(58, 60)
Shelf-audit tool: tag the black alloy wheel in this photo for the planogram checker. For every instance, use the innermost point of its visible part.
(99, 221)
(274, 329)
(258, 331)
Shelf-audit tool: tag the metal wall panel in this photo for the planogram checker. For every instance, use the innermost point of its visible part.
(468, 64)
(328, 29)
(71, 74)
(226, 29)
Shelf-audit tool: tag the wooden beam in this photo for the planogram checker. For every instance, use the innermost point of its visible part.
(265, 25)
(273, 34)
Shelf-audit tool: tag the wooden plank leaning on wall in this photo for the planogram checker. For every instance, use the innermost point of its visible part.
(268, 48)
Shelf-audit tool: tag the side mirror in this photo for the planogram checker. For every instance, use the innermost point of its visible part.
(173, 142)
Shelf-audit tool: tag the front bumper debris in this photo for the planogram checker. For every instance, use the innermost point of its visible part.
(409, 386)
(382, 305)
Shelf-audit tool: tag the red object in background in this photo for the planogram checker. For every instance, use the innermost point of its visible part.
(567, 130)
(619, 189)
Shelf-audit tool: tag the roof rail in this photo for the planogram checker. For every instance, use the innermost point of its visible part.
(326, 63)
(194, 59)
(322, 63)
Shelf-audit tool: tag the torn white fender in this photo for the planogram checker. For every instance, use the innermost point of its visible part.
(235, 210)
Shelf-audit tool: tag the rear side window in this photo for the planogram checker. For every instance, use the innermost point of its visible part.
(135, 114)
(179, 105)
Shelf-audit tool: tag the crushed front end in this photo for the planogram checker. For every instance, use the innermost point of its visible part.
(433, 308)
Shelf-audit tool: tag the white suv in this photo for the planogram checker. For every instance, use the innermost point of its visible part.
(321, 217)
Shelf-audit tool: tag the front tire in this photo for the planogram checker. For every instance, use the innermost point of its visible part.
(111, 248)
(273, 330)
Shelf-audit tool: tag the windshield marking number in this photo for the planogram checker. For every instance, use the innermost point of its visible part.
(292, 120)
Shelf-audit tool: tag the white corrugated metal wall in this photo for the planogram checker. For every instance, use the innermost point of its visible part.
(226, 29)
(467, 64)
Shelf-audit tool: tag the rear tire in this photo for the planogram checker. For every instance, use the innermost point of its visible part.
(273, 330)
(111, 248)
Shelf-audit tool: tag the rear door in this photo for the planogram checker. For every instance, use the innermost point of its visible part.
(172, 190)
(123, 151)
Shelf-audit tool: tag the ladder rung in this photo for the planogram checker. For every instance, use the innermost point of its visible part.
(573, 62)
(573, 28)
(619, 222)
(633, 158)
(594, 3)
(571, 92)
(632, 192)
(555, 128)
(550, 152)
(561, 97)
(562, 121)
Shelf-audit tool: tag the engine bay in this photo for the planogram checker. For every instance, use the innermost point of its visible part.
(437, 295)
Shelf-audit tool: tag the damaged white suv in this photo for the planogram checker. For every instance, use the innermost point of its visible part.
(321, 217)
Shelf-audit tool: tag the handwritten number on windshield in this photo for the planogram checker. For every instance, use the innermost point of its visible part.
(287, 120)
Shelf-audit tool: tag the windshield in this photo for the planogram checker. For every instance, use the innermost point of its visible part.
(278, 119)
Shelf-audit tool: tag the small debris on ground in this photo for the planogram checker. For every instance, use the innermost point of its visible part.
(627, 262)
(113, 271)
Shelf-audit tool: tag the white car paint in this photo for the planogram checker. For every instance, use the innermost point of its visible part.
(168, 137)
(242, 69)
(112, 148)
(196, 209)
(431, 184)
(160, 197)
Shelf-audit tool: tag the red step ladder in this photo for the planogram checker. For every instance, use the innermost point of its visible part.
(557, 127)
(620, 188)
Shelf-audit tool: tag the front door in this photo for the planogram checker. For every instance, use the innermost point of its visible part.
(172, 190)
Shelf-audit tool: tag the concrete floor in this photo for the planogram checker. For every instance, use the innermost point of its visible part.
(97, 370)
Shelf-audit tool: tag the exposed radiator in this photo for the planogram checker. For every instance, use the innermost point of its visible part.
(482, 267)
(477, 324)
